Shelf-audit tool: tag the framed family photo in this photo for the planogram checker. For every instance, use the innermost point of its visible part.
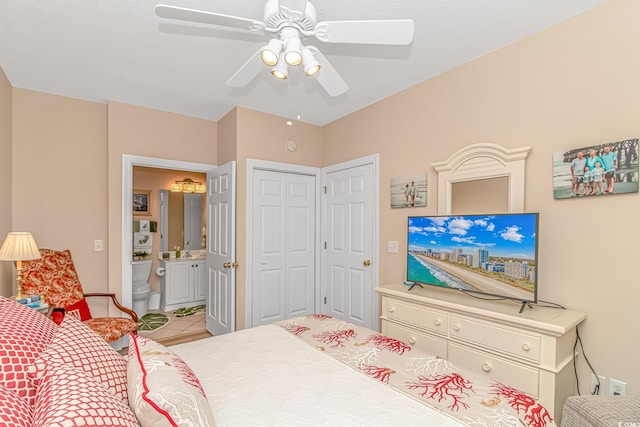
(142, 202)
(597, 170)
(409, 191)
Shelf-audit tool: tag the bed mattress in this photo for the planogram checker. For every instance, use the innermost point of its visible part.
(270, 376)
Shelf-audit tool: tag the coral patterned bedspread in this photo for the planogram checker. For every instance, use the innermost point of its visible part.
(436, 382)
(321, 371)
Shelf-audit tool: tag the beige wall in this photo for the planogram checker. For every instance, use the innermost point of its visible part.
(570, 86)
(150, 133)
(60, 179)
(6, 269)
(227, 137)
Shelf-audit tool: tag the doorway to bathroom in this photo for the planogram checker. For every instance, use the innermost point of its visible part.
(177, 324)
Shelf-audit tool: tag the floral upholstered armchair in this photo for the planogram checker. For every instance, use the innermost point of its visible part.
(54, 276)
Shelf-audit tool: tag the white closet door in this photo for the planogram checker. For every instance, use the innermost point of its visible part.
(283, 246)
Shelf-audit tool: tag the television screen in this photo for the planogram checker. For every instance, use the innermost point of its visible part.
(495, 254)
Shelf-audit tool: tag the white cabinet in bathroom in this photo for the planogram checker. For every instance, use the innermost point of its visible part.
(183, 284)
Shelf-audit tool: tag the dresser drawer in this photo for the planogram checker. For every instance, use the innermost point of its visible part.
(520, 377)
(421, 317)
(497, 338)
(427, 343)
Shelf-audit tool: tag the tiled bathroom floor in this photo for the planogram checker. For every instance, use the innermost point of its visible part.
(179, 329)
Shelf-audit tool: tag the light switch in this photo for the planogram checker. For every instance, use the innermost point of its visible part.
(393, 247)
(98, 245)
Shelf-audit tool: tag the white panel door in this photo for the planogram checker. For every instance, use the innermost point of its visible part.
(221, 251)
(349, 220)
(283, 246)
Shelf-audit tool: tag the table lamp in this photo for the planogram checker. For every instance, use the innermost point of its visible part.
(19, 246)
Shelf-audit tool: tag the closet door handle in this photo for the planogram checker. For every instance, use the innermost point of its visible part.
(227, 265)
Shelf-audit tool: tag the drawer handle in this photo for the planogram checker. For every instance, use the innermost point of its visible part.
(486, 367)
(437, 322)
(456, 328)
(391, 309)
(412, 340)
(526, 347)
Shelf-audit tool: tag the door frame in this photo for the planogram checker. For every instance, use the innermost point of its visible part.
(374, 160)
(128, 162)
(256, 164)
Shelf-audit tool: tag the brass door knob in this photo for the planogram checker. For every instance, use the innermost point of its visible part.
(227, 265)
(367, 263)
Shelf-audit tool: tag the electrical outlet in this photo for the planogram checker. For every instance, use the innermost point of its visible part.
(617, 388)
(393, 247)
(594, 383)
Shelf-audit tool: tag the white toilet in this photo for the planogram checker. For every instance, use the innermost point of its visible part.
(141, 270)
(141, 289)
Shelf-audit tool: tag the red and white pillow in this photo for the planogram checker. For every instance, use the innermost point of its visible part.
(71, 397)
(24, 333)
(14, 410)
(76, 345)
(163, 390)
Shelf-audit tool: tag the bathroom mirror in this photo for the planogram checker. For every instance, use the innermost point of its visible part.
(181, 220)
(502, 168)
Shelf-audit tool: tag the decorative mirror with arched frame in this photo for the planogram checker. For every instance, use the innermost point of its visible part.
(483, 161)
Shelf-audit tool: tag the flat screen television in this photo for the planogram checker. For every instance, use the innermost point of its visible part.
(494, 255)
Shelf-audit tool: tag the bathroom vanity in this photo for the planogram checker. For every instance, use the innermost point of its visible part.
(184, 283)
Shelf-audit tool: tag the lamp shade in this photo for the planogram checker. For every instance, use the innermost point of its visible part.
(19, 246)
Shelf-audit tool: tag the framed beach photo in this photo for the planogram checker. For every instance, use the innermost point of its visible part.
(142, 202)
(409, 191)
(597, 170)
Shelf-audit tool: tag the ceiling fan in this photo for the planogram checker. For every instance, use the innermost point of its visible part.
(290, 22)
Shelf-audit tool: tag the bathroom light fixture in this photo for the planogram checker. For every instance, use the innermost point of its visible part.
(188, 185)
(19, 246)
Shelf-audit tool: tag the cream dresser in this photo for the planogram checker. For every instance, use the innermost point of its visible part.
(531, 351)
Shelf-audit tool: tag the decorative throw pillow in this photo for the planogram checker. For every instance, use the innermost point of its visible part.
(24, 333)
(80, 310)
(78, 346)
(70, 397)
(163, 390)
(14, 410)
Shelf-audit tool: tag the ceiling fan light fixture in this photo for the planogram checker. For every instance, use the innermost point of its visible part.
(309, 62)
(292, 52)
(271, 52)
(280, 70)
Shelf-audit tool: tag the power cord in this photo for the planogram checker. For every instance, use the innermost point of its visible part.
(586, 359)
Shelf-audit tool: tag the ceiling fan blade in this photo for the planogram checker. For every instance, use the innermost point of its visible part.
(392, 32)
(200, 16)
(247, 72)
(328, 77)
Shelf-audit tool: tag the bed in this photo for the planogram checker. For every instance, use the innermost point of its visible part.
(308, 371)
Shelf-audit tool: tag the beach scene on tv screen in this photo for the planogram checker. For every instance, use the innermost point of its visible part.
(491, 254)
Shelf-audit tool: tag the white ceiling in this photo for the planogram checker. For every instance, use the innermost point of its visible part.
(119, 50)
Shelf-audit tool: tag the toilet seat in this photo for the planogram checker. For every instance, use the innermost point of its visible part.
(141, 287)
